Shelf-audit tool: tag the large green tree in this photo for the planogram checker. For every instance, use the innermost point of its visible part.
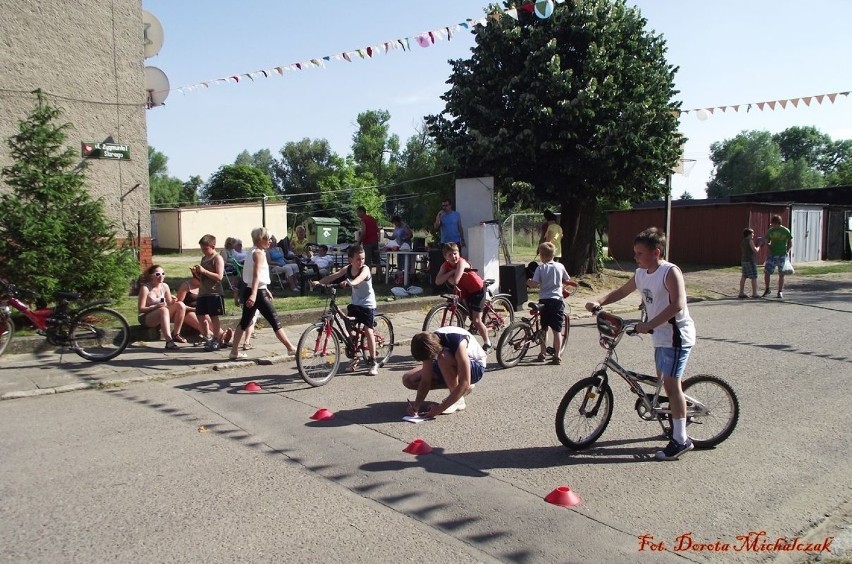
(758, 161)
(53, 234)
(300, 172)
(235, 183)
(579, 105)
(375, 150)
(166, 191)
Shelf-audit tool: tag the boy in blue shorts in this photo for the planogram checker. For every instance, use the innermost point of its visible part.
(549, 277)
(363, 306)
(664, 295)
(450, 358)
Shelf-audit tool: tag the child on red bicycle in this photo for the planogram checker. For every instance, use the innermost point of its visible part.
(550, 276)
(457, 271)
(363, 306)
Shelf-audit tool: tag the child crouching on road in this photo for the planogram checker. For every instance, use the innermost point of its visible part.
(363, 306)
(450, 358)
(550, 276)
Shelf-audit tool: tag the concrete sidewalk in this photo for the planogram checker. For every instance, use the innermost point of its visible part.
(50, 371)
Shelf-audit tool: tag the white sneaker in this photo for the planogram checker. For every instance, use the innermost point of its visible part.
(458, 406)
(374, 370)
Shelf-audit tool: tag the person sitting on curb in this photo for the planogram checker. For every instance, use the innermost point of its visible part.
(157, 307)
(450, 358)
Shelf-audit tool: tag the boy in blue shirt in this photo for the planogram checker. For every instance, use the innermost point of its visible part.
(549, 277)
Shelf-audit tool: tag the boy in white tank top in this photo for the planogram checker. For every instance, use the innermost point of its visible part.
(664, 295)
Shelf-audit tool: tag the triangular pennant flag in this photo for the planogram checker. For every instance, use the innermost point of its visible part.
(819, 98)
(710, 110)
(236, 78)
(783, 103)
(432, 37)
(771, 105)
(723, 108)
(370, 52)
(795, 102)
(360, 53)
(832, 97)
(528, 8)
(807, 100)
(513, 13)
(760, 105)
(327, 58)
(844, 93)
(346, 56)
(299, 66)
(449, 34)
(387, 46)
(736, 108)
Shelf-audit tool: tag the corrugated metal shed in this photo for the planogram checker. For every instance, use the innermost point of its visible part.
(701, 233)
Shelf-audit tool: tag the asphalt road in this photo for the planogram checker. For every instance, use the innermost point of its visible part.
(197, 470)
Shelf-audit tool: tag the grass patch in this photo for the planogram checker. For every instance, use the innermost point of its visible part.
(837, 268)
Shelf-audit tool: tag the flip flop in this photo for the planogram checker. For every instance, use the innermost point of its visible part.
(248, 347)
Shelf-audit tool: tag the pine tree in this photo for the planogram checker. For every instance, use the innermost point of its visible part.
(53, 234)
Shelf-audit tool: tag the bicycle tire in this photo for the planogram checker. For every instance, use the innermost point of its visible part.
(318, 355)
(587, 421)
(442, 316)
(99, 334)
(502, 316)
(712, 424)
(7, 331)
(514, 343)
(383, 332)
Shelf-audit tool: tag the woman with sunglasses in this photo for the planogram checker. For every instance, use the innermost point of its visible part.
(157, 307)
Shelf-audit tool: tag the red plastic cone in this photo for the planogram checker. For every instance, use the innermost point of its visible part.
(252, 387)
(418, 446)
(322, 414)
(564, 496)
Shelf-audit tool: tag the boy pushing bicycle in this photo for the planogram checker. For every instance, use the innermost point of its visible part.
(550, 276)
(664, 296)
(363, 306)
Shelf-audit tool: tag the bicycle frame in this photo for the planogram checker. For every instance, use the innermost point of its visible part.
(649, 403)
(456, 305)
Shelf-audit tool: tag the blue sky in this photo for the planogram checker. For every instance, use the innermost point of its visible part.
(729, 52)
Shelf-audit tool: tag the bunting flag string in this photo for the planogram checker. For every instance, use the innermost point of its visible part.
(704, 113)
(542, 8)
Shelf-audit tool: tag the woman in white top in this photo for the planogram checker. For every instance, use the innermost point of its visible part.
(256, 296)
(157, 306)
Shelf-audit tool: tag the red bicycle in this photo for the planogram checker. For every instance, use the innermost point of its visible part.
(92, 331)
(498, 314)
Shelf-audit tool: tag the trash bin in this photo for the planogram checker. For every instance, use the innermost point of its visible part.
(322, 230)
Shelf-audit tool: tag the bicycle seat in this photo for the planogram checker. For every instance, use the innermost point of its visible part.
(489, 282)
(535, 306)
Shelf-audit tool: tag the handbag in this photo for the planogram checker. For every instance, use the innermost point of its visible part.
(788, 266)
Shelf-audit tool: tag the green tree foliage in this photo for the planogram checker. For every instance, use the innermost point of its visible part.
(300, 172)
(190, 190)
(53, 235)
(234, 183)
(262, 160)
(375, 151)
(579, 105)
(422, 181)
(686, 196)
(757, 161)
(166, 191)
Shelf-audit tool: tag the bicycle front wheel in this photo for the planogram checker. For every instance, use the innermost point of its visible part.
(7, 331)
(583, 413)
(566, 330)
(514, 344)
(500, 316)
(384, 340)
(99, 334)
(712, 410)
(318, 355)
(442, 315)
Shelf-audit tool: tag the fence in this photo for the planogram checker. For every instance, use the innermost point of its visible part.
(522, 232)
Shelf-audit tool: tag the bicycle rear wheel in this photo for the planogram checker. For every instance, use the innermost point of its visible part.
(712, 410)
(318, 355)
(514, 344)
(583, 413)
(501, 317)
(99, 334)
(7, 331)
(384, 340)
(441, 316)
(566, 330)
